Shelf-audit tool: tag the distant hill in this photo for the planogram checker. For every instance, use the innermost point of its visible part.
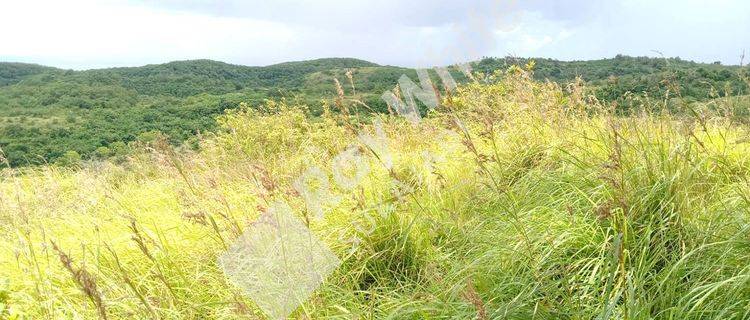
(613, 78)
(13, 72)
(45, 111)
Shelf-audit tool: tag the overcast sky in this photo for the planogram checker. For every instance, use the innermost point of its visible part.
(83, 34)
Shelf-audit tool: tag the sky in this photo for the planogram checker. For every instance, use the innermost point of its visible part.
(85, 34)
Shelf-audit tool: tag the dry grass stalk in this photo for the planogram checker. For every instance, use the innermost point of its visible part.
(140, 240)
(471, 295)
(350, 76)
(84, 280)
(198, 217)
(438, 96)
(129, 281)
(339, 101)
(3, 159)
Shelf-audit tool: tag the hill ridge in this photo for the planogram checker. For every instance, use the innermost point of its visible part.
(46, 112)
(199, 60)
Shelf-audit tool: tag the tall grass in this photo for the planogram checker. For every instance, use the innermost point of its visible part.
(515, 199)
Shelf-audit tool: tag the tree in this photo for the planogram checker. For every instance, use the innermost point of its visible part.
(69, 159)
(103, 152)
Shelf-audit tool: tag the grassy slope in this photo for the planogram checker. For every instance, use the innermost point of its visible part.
(545, 206)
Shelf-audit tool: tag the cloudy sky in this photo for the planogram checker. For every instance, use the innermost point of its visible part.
(83, 34)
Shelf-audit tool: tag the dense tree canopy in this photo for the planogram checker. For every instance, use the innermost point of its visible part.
(612, 79)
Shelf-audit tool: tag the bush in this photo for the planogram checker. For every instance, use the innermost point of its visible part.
(103, 152)
(69, 159)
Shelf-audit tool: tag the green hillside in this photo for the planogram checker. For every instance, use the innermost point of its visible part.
(13, 72)
(612, 79)
(46, 112)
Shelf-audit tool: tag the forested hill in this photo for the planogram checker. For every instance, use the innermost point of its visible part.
(13, 72)
(47, 112)
(613, 78)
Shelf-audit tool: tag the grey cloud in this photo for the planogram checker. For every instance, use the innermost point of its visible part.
(407, 33)
(351, 14)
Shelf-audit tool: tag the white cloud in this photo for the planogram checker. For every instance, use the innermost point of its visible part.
(87, 33)
(531, 34)
(94, 33)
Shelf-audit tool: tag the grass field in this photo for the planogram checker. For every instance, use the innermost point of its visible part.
(516, 199)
